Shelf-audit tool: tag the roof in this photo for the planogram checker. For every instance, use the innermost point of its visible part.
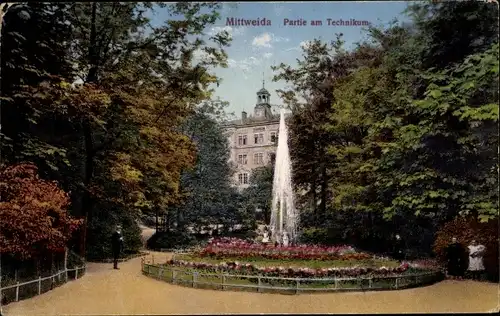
(256, 120)
(263, 91)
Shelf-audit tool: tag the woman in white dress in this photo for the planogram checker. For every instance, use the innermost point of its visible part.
(476, 265)
(285, 239)
(265, 239)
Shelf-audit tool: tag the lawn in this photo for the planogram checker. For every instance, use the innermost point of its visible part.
(260, 262)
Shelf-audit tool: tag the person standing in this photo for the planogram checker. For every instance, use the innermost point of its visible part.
(117, 246)
(476, 265)
(398, 248)
(285, 239)
(265, 238)
(455, 256)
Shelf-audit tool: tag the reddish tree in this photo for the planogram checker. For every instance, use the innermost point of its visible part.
(33, 216)
(466, 230)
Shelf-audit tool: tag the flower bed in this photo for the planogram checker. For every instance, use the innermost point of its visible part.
(245, 277)
(237, 248)
(289, 272)
(230, 263)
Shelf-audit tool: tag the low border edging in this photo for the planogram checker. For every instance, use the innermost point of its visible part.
(394, 282)
(175, 250)
(110, 260)
(53, 277)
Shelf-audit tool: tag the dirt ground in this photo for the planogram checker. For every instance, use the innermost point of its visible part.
(126, 291)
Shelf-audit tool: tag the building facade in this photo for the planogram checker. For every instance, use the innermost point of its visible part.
(253, 139)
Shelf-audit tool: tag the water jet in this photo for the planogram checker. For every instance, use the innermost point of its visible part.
(284, 215)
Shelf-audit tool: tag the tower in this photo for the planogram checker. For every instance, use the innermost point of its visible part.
(263, 106)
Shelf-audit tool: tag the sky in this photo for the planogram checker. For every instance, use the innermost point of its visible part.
(254, 49)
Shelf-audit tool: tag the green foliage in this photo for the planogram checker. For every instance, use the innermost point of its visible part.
(392, 158)
(408, 120)
(259, 193)
(101, 229)
(312, 79)
(318, 236)
(455, 121)
(113, 141)
(209, 197)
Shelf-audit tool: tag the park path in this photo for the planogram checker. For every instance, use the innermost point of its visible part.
(105, 291)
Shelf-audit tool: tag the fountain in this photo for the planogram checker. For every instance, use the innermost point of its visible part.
(284, 216)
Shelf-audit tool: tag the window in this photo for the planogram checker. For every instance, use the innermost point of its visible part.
(259, 138)
(274, 137)
(272, 158)
(242, 159)
(243, 178)
(242, 140)
(258, 159)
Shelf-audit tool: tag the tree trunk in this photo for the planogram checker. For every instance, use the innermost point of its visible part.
(267, 215)
(313, 188)
(37, 264)
(178, 218)
(324, 190)
(168, 221)
(324, 182)
(65, 258)
(314, 195)
(52, 263)
(87, 202)
(156, 220)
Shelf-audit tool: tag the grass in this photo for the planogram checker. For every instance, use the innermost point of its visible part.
(260, 262)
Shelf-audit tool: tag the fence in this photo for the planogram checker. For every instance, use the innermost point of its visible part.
(287, 285)
(42, 285)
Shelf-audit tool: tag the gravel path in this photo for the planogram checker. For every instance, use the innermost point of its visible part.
(126, 291)
(106, 291)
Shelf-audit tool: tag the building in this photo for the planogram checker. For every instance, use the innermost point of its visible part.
(253, 139)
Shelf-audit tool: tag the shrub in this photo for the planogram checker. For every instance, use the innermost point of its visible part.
(33, 213)
(101, 228)
(466, 230)
(131, 235)
(317, 236)
(240, 233)
(74, 260)
(171, 240)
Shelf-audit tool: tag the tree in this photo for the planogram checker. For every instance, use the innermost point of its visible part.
(456, 122)
(259, 193)
(114, 140)
(33, 214)
(451, 31)
(209, 197)
(312, 81)
(409, 124)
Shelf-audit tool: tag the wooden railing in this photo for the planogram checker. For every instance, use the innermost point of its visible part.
(59, 275)
(193, 278)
